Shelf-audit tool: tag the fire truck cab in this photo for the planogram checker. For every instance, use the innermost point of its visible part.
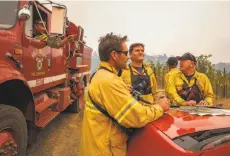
(37, 82)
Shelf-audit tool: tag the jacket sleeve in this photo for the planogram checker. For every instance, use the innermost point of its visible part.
(166, 85)
(208, 91)
(172, 92)
(153, 81)
(126, 76)
(120, 104)
(166, 82)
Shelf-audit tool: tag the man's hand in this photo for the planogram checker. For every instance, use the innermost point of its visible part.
(163, 101)
(130, 88)
(189, 103)
(71, 38)
(164, 105)
(203, 103)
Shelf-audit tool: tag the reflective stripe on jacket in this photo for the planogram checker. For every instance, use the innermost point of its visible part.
(100, 136)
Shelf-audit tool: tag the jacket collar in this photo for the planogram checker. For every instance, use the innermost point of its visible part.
(174, 69)
(108, 66)
(194, 76)
(135, 70)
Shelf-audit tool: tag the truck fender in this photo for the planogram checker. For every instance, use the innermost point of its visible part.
(15, 91)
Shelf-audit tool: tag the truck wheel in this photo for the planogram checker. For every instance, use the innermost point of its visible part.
(13, 131)
(74, 107)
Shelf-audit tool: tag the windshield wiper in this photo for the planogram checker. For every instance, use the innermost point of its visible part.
(208, 133)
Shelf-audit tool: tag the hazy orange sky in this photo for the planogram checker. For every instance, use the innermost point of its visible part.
(164, 27)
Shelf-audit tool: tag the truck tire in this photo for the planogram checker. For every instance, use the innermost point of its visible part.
(74, 107)
(12, 123)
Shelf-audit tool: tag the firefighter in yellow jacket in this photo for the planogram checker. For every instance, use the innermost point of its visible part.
(190, 87)
(40, 30)
(40, 39)
(172, 63)
(107, 93)
(139, 75)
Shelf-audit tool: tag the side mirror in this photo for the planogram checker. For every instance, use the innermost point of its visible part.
(24, 14)
(58, 20)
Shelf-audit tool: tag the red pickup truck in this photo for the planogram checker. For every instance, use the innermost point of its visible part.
(182, 133)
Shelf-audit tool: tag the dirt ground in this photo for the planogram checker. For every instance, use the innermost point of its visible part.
(62, 136)
(225, 102)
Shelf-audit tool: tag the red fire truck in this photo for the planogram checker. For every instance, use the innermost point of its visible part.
(36, 84)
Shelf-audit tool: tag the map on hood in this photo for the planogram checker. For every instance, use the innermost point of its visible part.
(199, 110)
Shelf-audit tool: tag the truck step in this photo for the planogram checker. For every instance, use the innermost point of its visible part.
(45, 105)
(46, 117)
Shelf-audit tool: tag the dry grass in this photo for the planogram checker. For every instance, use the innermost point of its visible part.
(225, 102)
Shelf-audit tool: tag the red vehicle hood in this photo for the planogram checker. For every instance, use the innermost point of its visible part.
(177, 123)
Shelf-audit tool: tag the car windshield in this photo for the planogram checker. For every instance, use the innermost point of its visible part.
(8, 14)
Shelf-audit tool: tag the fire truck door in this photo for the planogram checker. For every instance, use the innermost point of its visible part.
(37, 62)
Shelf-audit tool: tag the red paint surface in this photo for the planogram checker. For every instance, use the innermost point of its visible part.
(16, 36)
(152, 142)
(177, 123)
(53, 61)
(223, 150)
(4, 137)
(155, 139)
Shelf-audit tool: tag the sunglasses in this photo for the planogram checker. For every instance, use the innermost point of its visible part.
(124, 52)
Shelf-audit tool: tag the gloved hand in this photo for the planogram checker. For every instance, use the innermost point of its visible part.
(71, 38)
(130, 88)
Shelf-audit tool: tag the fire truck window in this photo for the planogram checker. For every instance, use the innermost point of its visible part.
(8, 14)
(30, 32)
(37, 17)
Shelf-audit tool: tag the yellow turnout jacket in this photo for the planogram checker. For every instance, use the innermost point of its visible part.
(126, 75)
(170, 76)
(202, 82)
(100, 136)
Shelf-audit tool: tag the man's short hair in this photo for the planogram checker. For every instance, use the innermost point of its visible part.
(172, 61)
(108, 43)
(132, 46)
(188, 56)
